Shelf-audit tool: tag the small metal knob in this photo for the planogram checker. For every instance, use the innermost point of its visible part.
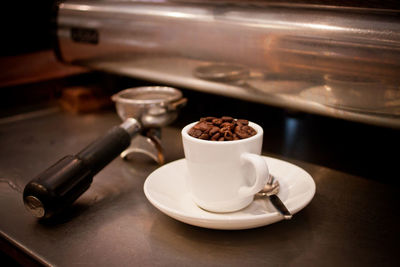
(34, 206)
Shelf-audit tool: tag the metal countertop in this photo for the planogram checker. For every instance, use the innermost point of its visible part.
(351, 220)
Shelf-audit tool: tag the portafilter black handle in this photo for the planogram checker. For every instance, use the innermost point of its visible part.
(62, 183)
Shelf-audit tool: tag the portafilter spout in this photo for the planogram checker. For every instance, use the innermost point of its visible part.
(62, 183)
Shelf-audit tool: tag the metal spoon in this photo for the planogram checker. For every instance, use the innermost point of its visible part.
(271, 190)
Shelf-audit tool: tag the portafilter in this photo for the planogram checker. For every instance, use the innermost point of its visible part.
(143, 110)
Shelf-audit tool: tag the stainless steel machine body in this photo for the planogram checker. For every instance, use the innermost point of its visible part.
(340, 62)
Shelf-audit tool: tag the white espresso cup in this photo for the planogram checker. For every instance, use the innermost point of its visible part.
(224, 176)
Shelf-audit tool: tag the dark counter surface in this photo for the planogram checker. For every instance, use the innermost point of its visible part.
(351, 221)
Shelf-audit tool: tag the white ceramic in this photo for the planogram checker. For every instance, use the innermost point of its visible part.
(165, 188)
(224, 176)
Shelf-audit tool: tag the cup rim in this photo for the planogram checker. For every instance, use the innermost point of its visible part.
(255, 126)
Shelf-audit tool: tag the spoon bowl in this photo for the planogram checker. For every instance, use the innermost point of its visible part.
(271, 189)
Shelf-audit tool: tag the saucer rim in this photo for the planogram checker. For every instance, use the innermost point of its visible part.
(229, 223)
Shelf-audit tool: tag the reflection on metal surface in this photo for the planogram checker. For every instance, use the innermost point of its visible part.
(171, 42)
(11, 184)
(150, 146)
(29, 115)
(386, 102)
(272, 86)
(222, 72)
(366, 94)
(153, 106)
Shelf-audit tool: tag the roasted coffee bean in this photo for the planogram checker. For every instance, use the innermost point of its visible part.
(222, 129)
(203, 126)
(228, 136)
(217, 122)
(216, 136)
(242, 122)
(209, 119)
(204, 136)
(239, 131)
(225, 129)
(213, 130)
(195, 132)
(227, 125)
(249, 130)
(226, 118)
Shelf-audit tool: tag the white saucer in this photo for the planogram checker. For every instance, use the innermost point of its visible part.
(166, 189)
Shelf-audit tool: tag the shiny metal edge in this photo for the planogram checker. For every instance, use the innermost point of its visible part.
(25, 249)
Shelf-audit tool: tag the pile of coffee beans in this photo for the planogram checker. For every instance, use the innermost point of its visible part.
(222, 129)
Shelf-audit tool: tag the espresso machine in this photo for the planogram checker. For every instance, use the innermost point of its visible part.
(336, 61)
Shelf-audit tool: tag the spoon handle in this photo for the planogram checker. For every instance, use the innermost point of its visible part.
(276, 201)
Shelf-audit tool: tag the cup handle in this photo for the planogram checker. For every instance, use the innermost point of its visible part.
(261, 171)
